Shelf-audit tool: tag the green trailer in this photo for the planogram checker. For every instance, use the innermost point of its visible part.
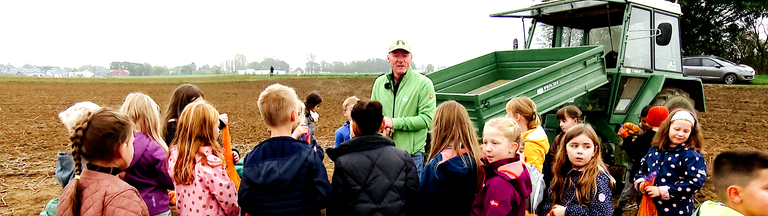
(610, 58)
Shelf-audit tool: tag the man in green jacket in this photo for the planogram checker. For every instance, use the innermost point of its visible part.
(408, 100)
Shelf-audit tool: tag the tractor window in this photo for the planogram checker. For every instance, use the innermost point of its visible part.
(572, 37)
(668, 57)
(637, 53)
(542, 36)
(600, 36)
(629, 88)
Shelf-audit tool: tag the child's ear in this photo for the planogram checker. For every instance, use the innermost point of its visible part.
(355, 130)
(734, 196)
(515, 148)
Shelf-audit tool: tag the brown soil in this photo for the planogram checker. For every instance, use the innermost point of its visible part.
(31, 133)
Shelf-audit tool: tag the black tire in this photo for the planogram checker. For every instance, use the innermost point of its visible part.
(730, 79)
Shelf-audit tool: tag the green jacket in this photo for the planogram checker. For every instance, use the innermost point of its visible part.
(714, 208)
(411, 110)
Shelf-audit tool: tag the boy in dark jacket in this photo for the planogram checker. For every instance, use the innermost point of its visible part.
(282, 175)
(372, 176)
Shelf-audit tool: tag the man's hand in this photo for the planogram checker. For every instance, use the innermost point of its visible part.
(300, 130)
(388, 127)
(652, 191)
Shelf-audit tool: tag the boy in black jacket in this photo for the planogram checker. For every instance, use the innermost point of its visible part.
(372, 176)
(282, 175)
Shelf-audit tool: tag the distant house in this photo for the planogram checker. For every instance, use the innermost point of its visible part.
(119, 72)
(84, 73)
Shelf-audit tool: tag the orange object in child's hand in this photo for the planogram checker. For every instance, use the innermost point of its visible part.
(623, 133)
(631, 128)
(172, 196)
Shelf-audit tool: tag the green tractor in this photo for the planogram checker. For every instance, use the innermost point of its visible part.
(610, 58)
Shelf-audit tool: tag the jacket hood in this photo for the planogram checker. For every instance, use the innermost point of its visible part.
(359, 143)
(513, 171)
(457, 168)
(140, 145)
(279, 172)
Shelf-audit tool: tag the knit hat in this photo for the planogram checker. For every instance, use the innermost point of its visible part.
(656, 115)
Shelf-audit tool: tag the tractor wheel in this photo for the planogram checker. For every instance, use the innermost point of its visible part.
(672, 98)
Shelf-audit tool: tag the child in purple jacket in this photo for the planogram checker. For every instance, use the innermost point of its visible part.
(148, 169)
(507, 185)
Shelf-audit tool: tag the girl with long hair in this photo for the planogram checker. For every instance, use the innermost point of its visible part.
(449, 181)
(581, 185)
(676, 161)
(148, 171)
(197, 165)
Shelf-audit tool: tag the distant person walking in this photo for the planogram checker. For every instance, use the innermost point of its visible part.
(271, 71)
(408, 99)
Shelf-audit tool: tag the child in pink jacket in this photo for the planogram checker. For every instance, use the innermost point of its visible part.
(197, 166)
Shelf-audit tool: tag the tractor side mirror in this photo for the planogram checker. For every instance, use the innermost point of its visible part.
(666, 34)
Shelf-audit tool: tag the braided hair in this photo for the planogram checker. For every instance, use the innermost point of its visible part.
(97, 136)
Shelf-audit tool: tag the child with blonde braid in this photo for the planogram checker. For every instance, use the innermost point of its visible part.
(105, 140)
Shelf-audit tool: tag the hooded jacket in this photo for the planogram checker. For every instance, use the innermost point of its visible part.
(448, 184)
(283, 176)
(536, 147)
(373, 177)
(148, 173)
(411, 107)
(506, 188)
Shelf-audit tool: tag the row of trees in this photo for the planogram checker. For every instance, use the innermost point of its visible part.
(240, 62)
(374, 65)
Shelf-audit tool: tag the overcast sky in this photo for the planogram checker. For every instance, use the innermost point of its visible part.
(173, 33)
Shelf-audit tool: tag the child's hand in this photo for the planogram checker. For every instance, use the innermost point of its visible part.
(300, 130)
(235, 156)
(558, 210)
(652, 191)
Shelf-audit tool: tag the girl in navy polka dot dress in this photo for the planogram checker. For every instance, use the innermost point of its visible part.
(679, 166)
(581, 185)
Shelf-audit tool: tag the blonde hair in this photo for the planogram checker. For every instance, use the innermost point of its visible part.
(509, 129)
(452, 129)
(562, 166)
(73, 114)
(276, 103)
(145, 113)
(527, 108)
(349, 101)
(195, 129)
